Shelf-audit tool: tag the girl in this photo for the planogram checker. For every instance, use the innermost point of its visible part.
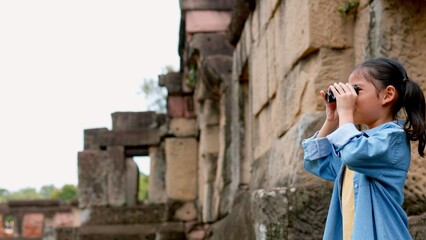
(368, 167)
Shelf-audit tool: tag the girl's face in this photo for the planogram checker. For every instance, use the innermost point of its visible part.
(368, 107)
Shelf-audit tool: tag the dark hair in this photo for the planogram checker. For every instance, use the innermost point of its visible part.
(387, 71)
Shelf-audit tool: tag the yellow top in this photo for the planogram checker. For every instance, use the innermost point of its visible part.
(348, 203)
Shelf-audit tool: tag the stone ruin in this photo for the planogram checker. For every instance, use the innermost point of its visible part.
(226, 159)
(36, 219)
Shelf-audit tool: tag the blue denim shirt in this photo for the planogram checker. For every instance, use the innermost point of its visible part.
(380, 158)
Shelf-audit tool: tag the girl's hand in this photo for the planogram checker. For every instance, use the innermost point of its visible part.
(332, 121)
(330, 109)
(345, 101)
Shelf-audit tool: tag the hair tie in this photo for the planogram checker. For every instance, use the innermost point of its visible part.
(405, 79)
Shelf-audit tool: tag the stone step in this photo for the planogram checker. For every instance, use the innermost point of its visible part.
(163, 231)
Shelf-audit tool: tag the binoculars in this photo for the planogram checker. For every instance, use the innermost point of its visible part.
(329, 96)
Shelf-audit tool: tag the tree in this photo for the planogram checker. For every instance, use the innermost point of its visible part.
(47, 190)
(143, 187)
(154, 94)
(68, 193)
(4, 195)
(26, 193)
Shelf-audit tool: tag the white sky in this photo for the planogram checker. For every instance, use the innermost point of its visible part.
(65, 66)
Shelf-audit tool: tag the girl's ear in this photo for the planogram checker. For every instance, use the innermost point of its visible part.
(389, 95)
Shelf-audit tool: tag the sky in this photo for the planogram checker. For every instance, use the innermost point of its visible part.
(65, 66)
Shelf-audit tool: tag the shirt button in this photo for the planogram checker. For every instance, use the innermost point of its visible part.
(356, 185)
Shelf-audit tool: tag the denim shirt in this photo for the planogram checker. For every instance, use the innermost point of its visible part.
(380, 158)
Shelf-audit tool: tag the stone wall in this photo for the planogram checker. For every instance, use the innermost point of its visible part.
(226, 158)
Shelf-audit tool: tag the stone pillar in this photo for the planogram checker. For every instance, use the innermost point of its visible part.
(132, 182)
(117, 186)
(93, 178)
(157, 185)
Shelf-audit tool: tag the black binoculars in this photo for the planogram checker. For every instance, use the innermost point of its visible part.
(329, 96)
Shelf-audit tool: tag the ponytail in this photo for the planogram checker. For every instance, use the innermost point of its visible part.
(382, 72)
(414, 105)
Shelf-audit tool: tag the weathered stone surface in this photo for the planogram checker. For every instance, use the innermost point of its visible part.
(258, 67)
(186, 212)
(305, 26)
(117, 184)
(238, 224)
(207, 44)
(123, 121)
(207, 21)
(228, 171)
(64, 219)
(299, 91)
(417, 225)
(259, 172)
(157, 182)
(172, 81)
(181, 168)
(262, 132)
(67, 233)
(240, 12)
(92, 178)
(242, 52)
(180, 106)
(286, 164)
(209, 114)
(140, 214)
(164, 231)
(91, 141)
(183, 127)
(32, 225)
(132, 182)
(290, 213)
(145, 137)
(186, 5)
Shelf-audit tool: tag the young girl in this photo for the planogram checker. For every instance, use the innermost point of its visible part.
(368, 167)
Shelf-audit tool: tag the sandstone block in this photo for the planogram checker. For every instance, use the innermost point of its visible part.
(172, 81)
(186, 212)
(290, 213)
(157, 184)
(122, 121)
(92, 178)
(132, 182)
(259, 75)
(238, 224)
(145, 137)
(91, 139)
(305, 26)
(299, 91)
(417, 225)
(262, 132)
(183, 127)
(286, 164)
(208, 44)
(140, 214)
(181, 168)
(117, 184)
(207, 21)
(180, 106)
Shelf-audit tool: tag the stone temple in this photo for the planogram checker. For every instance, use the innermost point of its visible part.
(226, 157)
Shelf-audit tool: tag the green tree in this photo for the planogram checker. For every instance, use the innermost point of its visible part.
(143, 187)
(47, 191)
(154, 94)
(68, 193)
(4, 195)
(26, 193)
